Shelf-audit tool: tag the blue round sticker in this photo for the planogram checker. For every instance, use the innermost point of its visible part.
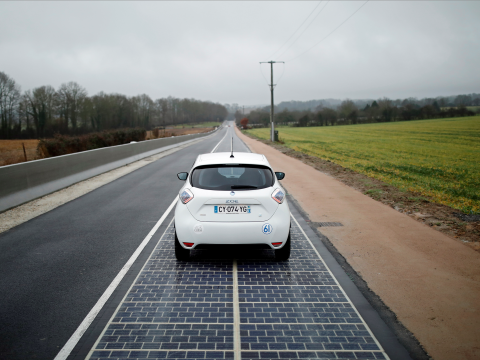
(267, 229)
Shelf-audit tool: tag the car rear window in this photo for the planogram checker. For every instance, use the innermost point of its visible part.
(232, 177)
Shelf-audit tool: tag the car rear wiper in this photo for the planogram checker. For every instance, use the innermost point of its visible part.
(243, 187)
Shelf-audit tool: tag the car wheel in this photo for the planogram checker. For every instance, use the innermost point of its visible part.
(181, 253)
(284, 253)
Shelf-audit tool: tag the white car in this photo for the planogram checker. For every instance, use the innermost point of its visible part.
(232, 200)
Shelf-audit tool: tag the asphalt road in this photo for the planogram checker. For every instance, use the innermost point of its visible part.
(55, 267)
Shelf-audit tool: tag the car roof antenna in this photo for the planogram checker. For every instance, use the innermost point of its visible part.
(231, 156)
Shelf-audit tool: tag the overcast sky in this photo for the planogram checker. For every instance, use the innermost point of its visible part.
(211, 50)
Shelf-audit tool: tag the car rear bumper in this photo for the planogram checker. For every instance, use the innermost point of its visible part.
(273, 230)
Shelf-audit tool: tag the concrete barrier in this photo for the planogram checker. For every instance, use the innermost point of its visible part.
(20, 183)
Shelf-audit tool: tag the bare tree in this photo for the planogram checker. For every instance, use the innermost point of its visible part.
(40, 105)
(349, 111)
(70, 99)
(387, 109)
(442, 102)
(162, 106)
(329, 116)
(462, 100)
(9, 99)
(145, 110)
(24, 117)
(43, 111)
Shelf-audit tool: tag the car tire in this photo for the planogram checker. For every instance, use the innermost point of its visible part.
(284, 253)
(181, 253)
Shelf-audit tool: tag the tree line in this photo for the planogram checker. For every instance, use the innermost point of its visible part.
(68, 110)
(443, 101)
(361, 111)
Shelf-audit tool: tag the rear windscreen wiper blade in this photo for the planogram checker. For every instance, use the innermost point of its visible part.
(243, 187)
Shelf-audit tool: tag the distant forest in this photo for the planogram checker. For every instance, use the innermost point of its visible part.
(68, 110)
(337, 112)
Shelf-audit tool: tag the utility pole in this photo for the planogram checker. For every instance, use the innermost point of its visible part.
(272, 85)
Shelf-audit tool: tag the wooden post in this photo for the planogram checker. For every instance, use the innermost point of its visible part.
(24, 152)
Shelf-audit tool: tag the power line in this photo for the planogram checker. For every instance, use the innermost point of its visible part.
(298, 37)
(344, 21)
(283, 72)
(260, 64)
(315, 8)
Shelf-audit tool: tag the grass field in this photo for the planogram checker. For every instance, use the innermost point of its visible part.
(11, 151)
(437, 158)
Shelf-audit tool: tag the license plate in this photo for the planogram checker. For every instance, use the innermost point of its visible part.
(231, 209)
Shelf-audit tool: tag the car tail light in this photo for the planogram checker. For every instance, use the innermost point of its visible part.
(186, 196)
(188, 244)
(278, 196)
(277, 244)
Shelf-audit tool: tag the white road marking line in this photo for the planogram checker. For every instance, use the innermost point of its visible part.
(215, 148)
(94, 347)
(236, 315)
(72, 342)
(341, 288)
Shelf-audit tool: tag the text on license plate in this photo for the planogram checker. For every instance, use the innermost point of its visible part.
(231, 209)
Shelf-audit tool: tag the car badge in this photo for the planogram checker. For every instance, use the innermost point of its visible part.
(232, 193)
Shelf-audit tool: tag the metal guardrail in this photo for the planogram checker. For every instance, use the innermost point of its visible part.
(20, 183)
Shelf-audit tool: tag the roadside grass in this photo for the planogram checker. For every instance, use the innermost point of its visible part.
(374, 191)
(437, 158)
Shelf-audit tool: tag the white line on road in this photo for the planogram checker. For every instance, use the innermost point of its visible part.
(215, 148)
(236, 315)
(127, 293)
(72, 342)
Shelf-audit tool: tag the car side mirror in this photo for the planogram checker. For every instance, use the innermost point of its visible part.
(280, 175)
(182, 176)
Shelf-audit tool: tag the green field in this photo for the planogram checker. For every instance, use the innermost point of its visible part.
(437, 158)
